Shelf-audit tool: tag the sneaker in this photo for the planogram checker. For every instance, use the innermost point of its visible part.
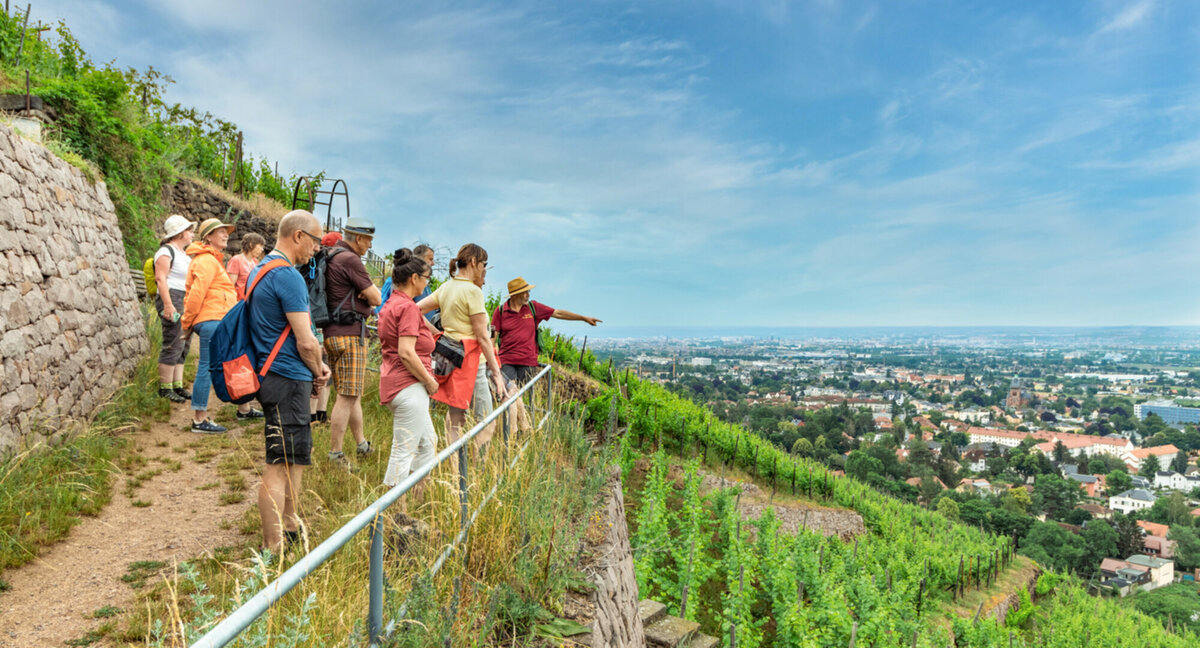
(171, 395)
(207, 427)
(364, 448)
(339, 458)
(252, 414)
(183, 393)
(321, 416)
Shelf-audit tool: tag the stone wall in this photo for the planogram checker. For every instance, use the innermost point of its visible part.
(617, 623)
(70, 329)
(197, 202)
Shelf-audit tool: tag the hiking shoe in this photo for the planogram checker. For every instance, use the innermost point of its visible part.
(171, 395)
(183, 393)
(339, 458)
(364, 448)
(207, 427)
(320, 416)
(252, 414)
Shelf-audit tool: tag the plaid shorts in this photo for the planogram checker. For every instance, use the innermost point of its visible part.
(348, 360)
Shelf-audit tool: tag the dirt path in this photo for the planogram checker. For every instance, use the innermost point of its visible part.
(188, 509)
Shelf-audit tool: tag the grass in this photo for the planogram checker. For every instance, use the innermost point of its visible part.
(511, 575)
(46, 488)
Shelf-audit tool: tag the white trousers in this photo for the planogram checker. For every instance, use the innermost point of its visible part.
(414, 441)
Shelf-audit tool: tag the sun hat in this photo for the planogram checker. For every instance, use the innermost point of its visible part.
(361, 226)
(331, 239)
(176, 225)
(211, 225)
(518, 286)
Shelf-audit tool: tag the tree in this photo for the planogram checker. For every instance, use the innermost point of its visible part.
(1057, 495)
(1053, 545)
(920, 457)
(1101, 540)
(1187, 547)
(1129, 535)
(1150, 466)
(1180, 463)
(1170, 510)
(1118, 482)
(862, 465)
(929, 488)
(1060, 452)
(948, 508)
(802, 447)
(1077, 516)
(1017, 500)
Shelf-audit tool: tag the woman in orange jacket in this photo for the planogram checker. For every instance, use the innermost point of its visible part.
(210, 294)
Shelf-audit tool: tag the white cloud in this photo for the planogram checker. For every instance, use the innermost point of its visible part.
(1129, 17)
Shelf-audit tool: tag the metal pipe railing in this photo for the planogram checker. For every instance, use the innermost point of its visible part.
(240, 619)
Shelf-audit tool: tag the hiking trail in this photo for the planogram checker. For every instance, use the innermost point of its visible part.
(184, 503)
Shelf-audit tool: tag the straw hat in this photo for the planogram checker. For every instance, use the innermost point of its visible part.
(211, 225)
(518, 286)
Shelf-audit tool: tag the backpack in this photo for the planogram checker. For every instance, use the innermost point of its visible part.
(537, 340)
(148, 271)
(231, 351)
(318, 269)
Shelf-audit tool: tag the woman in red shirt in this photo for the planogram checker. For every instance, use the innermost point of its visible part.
(240, 265)
(406, 375)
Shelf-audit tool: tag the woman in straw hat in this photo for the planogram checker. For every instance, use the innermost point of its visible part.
(170, 275)
(210, 294)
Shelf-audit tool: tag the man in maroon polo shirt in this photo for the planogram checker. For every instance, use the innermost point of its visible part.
(515, 323)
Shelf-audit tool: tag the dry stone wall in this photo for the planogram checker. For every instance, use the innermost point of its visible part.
(70, 329)
(193, 200)
(617, 623)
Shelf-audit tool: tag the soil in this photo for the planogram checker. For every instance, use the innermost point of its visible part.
(53, 599)
(792, 516)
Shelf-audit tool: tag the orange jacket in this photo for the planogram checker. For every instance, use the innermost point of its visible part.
(210, 293)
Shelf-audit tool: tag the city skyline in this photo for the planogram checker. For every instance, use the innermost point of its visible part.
(799, 164)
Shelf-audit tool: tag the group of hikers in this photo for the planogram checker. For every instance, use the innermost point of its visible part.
(308, 302)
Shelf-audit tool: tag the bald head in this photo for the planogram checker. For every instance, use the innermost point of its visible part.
(297, 220)
(298, 236)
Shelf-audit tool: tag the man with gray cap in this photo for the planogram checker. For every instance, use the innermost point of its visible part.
(351, 295)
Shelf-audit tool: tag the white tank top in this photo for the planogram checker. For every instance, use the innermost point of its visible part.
(177, 275)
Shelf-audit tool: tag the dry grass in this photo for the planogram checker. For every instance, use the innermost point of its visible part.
(257, 204)
(516, 564)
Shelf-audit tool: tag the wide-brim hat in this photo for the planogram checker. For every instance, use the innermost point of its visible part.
(176, 225)
(518, 286)
(211, 225)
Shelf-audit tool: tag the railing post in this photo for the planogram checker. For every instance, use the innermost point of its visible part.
(375, 605)
(550, 391)
(462, 487)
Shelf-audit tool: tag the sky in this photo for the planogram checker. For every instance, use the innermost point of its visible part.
(728, 163)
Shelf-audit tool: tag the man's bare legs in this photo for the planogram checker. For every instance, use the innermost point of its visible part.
(277, 497)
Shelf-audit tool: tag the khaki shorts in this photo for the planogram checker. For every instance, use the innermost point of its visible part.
(348, 361)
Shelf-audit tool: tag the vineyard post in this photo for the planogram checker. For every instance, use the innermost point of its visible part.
(704, 460)
(888, 573)
(612, 417)
(24, 27)
(920, 597)
(683, 436)
(799, 594)
(756, 449)
(958, 585)
(853, 633)
(582, 351)
(774, 474)
(914, 641)
(687, 579)
(821, 561)
(855, 557)
(794, 469)
(810, 481)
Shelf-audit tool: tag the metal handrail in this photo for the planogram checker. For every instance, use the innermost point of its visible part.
(240, 619)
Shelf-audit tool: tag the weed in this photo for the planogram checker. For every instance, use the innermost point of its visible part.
(208, 486)
(106, 612)
(232, 498)
(139, 571)
(140, 503)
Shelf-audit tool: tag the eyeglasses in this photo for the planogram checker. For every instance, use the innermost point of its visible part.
(426, 277)
(316, 239)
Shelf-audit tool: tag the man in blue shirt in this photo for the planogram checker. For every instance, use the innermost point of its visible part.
(278, 301)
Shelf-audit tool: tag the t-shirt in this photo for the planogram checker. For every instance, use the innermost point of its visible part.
(239, 266)
(346, 275)
(518, 331)
(458, 300)
(177, 274)
(401, 318)
(280, 292)
(425, 293)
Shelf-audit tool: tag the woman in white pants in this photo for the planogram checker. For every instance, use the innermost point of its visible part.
(406, 376)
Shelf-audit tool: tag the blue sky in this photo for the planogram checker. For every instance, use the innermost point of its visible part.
(717, 163)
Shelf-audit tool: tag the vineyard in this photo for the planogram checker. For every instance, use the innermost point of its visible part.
(751, 584)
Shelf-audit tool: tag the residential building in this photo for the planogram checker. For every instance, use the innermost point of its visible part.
(1162, 571)
(1134, 499)
(1168, 411)
(1133, 458)
(1091, 483)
